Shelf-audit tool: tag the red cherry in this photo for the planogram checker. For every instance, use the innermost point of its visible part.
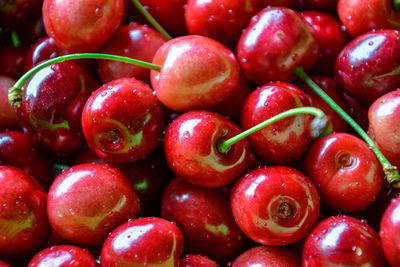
(267, 256)
(12, 60)
(88, 201)
(63, 256)
(143, 242)
(284, 3)
(16, 12)
(345, 171)
(276, 41)
(342, 241)
(23, 219)
(327, 5)
(191, 150)
(205, 219)
(81, 26)
(122, 121)
(197, 261)
(8, 115)
(390, 232)
(197, 72)
(275, 205)
(4, 264)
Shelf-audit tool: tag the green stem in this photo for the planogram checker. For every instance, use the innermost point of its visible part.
(60, 167)
(15, 39)
(150, 19)
(391, 172)
(14, 93)
(396, 4)
(224, 145)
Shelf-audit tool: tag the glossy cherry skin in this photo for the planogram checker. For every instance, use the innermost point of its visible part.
(134, 41)
(16, 12)
(88, 201)
(197, 72)
(390, 232)
(221, 20)
(275, 205)
(347, 174)
(190, 146)
(276, 41)
(23, 219)
(143, 242)
(286, 140)
(381, 15)
(63, 256)
(122, 121)
(205, 219)
(384, 125)
(365, 68)
(267, 256)
(8, 115)
(342, 241)
(52, 104)
(331, 38)
(18, 149)
(81, 26)
(197, 261)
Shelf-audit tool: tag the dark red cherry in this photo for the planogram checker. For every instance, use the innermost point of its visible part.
(267, 256)
(276, 41)
(367, 67)
(197, 261)
(342, 241)
(275, 205)
(31, 31)
(81, 25)
(284, 3)
(63, 256)
(347, 174)
(8, 115)
(143, 242)
(12, 60)
(88, 201)
(357, 111)
(197, 72)
(190, 146)
(16, 12)
(283, 141)
(327, 5)
(52, 103)
(390, 232)
(122, 121)
(205, 219)
(23, 218)
(19, 150)
(134, 41)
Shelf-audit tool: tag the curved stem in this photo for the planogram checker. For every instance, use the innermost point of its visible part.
(391, 172)
(224, 145)
(14, 93)
(396, 4)
(151, 20)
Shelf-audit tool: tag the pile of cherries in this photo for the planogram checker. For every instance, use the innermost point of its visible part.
(199, 140)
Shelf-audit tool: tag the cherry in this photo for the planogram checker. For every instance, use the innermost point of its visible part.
(327, 5)
(8, 116)
(88, 201)
(342, 241)
(135, 41)
(275, 205)
(16, 12)
(389, 232)
(91, 25)
(31, 31)
(221, 20)
(63, 256)
(23, 219)
(122, 121)
(147, 241)
(276, 41)
(205, 219)
(345, 171)
(267, 256)
(4, 264)
(197, 261)
(12, 60)
(19, 150)
(284, 3)
(358, 112)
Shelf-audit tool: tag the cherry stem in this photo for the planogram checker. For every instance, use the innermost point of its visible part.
(14, 93)
(225, 145)
(151, 20)
(391, 172)
(396, 4)
(15, 39)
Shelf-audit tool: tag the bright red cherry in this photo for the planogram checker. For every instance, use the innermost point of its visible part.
(197, 261)
(205, 219)
(23, 218)
(342, 241)
(267, 256)
(275, 205)
(63, 256)
(197, 72)
(390, 232)
(88, 201)
(191, 150)
(276, 41)
(345, 171)
(8, 115)
(81, 25)
(143, 242)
